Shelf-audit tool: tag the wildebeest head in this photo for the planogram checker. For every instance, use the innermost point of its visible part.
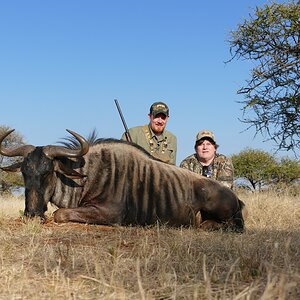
(38, 169)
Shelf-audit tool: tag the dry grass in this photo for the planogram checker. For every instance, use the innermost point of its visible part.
(77, 261)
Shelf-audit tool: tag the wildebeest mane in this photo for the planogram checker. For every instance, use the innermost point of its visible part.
(116, 141)
(71, 142)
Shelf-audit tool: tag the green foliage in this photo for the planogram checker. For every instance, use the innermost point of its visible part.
(270, 40)
(257, 166)
(288, 170)
(262, 169)
(9, 181)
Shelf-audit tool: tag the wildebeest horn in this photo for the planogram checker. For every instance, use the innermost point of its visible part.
(55, 151)
(20, 151)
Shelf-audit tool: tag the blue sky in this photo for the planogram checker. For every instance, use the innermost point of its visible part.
(63, 62)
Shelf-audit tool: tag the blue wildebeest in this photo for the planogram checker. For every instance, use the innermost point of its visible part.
(115, 182)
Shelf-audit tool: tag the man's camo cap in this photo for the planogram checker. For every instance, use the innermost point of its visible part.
(205, 134)
(159, 108)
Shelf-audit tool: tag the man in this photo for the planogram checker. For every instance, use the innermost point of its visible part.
(153, 137)
(207, 162)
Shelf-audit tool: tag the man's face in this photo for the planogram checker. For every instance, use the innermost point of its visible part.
(158, 123)
(206, 150)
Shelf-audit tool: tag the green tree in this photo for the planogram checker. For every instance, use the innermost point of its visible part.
(270, 40)
(9, 181)
(288, 170)
(256, 166)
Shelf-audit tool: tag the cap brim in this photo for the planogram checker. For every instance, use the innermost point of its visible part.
(206, 138)
(159, 112)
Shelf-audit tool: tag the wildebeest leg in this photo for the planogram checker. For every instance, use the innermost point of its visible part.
(210, 225)
(205, 223)
(87, 214)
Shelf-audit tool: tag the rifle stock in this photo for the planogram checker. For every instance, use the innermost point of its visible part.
(127, 134)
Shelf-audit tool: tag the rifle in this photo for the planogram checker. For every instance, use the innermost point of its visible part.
(127, 134)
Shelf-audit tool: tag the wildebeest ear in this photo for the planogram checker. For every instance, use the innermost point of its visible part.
(68, 172)
(13, 168)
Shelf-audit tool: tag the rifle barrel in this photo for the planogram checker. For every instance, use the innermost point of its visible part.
(127, 134)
